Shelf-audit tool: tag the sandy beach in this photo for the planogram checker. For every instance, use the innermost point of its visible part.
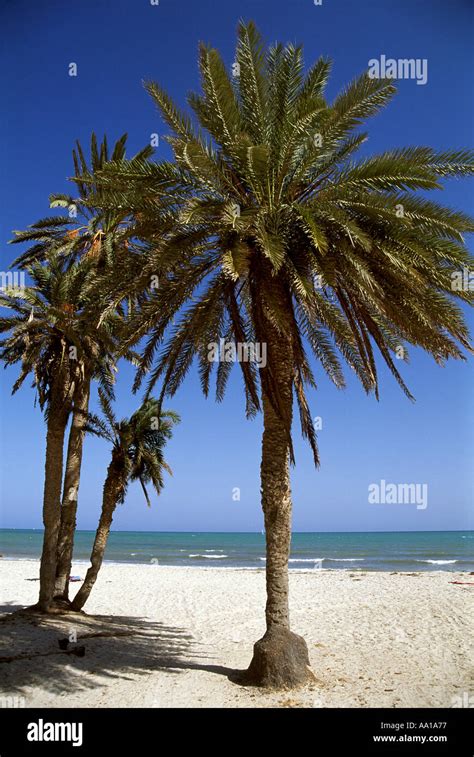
(159, 636)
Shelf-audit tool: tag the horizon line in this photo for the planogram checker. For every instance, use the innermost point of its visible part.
(196, 531)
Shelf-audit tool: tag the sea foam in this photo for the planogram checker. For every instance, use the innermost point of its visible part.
(210, 557)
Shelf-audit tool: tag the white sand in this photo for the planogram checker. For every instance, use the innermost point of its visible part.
(174, 634)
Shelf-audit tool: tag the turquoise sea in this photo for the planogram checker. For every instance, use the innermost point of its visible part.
(405, 551)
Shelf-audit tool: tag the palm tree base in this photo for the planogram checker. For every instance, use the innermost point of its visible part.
(39, 609)
(58, 606)
(280, 661)
(62, 603)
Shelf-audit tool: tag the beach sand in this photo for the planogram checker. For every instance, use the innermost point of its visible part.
(170, 637)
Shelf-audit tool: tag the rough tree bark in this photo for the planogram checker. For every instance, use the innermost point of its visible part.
(280, 658)
(71, 489)
(113, 488)
(58, 413)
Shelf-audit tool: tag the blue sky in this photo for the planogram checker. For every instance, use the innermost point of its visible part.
(115, 46)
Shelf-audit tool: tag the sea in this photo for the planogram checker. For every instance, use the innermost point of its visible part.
(390, 551)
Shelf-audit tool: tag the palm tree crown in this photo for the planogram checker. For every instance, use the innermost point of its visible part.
(87, 231)
(279, 227)
(54, 328)
(137, 442)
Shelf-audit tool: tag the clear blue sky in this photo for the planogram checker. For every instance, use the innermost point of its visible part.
(118, 44)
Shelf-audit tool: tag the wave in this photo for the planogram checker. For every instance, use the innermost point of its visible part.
(210, 557)
(438, 562)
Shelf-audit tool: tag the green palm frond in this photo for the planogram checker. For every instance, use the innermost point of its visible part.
(137, 442)
(266, 222)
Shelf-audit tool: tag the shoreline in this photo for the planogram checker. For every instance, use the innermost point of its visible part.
(155, 565)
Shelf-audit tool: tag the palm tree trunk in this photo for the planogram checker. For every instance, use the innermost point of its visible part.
(276, 505)
(111, 494)
(58, 413)
(71, 489)
(280, 658)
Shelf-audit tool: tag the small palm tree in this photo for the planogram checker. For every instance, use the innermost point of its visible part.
(284, 238)
(50, 335)
(137, 455)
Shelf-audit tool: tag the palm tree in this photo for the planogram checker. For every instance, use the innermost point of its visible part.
(103, 239)
(137, 455)
(87, 231)
(103, 346)
(49, 335)
(285, 239)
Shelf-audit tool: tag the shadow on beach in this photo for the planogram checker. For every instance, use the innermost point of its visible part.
(107, 648)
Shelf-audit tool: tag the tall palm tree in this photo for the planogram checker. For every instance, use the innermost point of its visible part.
(137, 455)
(49, 335)
(286, 239)
(103, 338)
(102, 237)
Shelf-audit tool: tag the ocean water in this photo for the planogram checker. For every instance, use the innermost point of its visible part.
(405, 551)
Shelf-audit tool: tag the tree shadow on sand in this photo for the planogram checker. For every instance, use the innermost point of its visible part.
(10, 607)
(107, 648)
